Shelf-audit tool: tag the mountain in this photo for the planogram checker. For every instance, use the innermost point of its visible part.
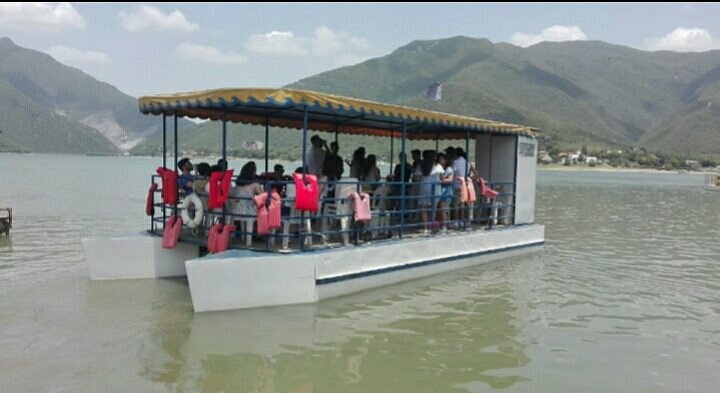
(46, 106)
(579, 93)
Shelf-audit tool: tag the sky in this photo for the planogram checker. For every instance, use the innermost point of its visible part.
(149, 48)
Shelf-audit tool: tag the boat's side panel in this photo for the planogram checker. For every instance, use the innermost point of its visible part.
(370, 267)
(135, 256)
(245, 279)
(219, 283)
(365, 258)
(363, 282)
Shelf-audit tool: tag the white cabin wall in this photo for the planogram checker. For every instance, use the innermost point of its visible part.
(526, 174)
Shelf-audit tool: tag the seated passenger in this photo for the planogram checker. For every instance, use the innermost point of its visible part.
(246, 187)
(202, 174)
(185, 179)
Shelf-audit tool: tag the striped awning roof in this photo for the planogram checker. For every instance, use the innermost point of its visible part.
(326, 112)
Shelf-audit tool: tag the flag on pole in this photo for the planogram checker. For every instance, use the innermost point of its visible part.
(434, 92)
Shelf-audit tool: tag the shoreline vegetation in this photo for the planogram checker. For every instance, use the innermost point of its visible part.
(555, 167)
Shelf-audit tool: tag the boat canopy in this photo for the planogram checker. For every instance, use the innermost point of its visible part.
(325, 112)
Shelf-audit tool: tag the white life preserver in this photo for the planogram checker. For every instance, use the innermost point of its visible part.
(195, 200)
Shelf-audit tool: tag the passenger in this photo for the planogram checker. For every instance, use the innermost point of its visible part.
(316, 155)
(282, 179)
(459, 166)
(429, 187)
(446, 195)
(185, 179)
(202, 174)
(222, 164)
(357, 165)
(333, 166)
(246, 187)
(371, 174)
(398, 178)
(412, 201)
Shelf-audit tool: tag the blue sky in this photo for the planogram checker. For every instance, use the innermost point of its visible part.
(147, 48)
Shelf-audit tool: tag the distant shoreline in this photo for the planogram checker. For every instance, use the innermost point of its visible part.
(577, 168)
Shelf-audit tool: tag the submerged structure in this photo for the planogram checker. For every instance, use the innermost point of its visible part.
(311, 237)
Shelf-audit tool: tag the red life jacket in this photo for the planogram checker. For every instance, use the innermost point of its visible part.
(171, 233)
(223, 239)
(219, 238)
(169, 185)
(306, 192)
(219, 188)
(361, 206)
(150, 201)
(213, 234)
(268, 217)
(486, 191)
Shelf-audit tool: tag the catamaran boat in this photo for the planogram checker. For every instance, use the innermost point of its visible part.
(309, 238)
(712, 182)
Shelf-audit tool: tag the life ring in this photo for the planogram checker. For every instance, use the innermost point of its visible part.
(195, 200)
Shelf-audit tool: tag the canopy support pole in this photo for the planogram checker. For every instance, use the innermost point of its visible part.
(164, 158)
(267, 137)
(468, 181)
(304, 171)
(437, 146)
(224, 156)
(392, 152)
(175, 144)
(402, 184)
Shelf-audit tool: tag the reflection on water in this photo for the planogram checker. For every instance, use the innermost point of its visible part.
(448, 332)
(625, 297)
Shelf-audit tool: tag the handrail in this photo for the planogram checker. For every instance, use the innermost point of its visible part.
(386, 214)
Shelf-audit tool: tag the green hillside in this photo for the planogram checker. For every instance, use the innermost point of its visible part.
(29, 127)
(579, 93)
(38, 90)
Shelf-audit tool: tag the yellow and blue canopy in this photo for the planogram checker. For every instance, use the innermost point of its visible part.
(326, 112)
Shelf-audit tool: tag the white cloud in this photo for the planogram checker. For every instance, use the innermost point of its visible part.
(146, 17)
(684, 40)
(276, 43)
(325, 42)
(40, 16)
(66, 54)
(208, 54)
(552, 33)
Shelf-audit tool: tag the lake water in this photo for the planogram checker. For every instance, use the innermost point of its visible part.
(625, 297)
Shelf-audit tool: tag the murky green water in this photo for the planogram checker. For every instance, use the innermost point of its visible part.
(625, 297)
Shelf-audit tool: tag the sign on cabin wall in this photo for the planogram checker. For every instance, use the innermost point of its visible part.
(527, 149)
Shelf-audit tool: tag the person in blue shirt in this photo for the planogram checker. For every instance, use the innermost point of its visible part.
(185, 180)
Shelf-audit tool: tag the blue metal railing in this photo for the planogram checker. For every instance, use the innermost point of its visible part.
(389, 219)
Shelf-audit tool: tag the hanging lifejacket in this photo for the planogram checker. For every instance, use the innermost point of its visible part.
(471, 191)
(219, 238)
(486, 191)
(306, 192)
(150, 201)
(219, 188)
(171, 232)
(169, 185)
(268, 212)
(222, 243)
(213, 234)
(361, 206)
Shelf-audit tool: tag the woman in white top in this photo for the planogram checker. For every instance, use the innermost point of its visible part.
(246, 187)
